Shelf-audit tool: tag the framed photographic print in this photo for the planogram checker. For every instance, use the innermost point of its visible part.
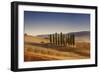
(52, 36)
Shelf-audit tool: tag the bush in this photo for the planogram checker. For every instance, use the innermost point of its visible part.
(42, 42)
(25, 34)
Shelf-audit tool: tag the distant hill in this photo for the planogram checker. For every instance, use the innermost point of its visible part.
(83, 36)
(43, 36)
(81, 33)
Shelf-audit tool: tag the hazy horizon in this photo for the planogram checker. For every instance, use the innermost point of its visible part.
(37, 23)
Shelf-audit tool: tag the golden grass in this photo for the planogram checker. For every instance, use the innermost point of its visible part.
(35, 39)
(38, 53)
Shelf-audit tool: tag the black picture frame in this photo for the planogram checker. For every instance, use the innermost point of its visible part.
(14, 35)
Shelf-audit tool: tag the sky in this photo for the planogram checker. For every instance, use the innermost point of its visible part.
(37, 23)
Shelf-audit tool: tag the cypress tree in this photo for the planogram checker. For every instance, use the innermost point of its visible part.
(70, 39)
(56, 38)
(61, 38)
(50, 36)
(53, 38)
(73, 39)
(66, 39)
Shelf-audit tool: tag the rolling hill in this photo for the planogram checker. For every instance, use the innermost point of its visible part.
(38, 49)
(81, 36)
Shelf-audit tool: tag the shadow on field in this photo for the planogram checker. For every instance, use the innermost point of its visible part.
(82, 52)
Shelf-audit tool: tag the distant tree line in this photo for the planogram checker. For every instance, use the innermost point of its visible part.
(62, 39)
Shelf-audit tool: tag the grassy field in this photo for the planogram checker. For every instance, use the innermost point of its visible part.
(39, 49)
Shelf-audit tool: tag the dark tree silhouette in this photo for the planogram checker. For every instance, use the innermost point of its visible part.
(56, 38)
(61, 42)
(50, 36)
(62, 39)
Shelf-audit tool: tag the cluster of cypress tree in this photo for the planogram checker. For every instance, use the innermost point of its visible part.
(62, 39)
